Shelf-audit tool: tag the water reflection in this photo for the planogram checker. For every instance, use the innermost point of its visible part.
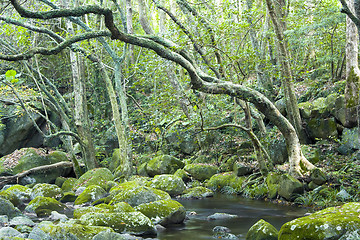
(197, 227)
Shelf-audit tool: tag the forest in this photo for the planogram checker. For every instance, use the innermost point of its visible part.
(115, 112)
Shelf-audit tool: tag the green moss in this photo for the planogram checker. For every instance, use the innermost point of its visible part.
(352, 98)
(330, 223)
(97, 176)
(224, 181)
(262, 230)
(44, 205)
(139, 195)
(164, 212)
(46, 190)
(201, 171)
(101, 208)
(68, 197)
(11, 197)
(169, 183)
(197, 193)
(90, 194)
(68, 185)
(72, 231)
(164, 164)
(123, 207)
(132, 222)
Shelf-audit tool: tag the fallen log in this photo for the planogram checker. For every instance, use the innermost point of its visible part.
(15, 178)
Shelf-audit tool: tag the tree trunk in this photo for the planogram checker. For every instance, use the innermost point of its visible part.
(352, 71)
(130, 29)
(288, 81)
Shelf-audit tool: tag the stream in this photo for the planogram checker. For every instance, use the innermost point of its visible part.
(197, 227)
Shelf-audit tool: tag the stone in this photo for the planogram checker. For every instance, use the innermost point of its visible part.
(138, 195)
(201, 171)
(141, 170)
(181, 173)
(197, 193)
(221, 216)
(277, 150)
(322, 128)
(46, 190)
(8, 232)
(129, 222)
(163, 212)
(27, 158)
(241, 169)
(288, 186)
(68, 185)
(70, 230)
(272, 182)
(101, 208)
(8, 209)
(22, 192)
(350, 141)
(262, 230)
(43, 206)
(226, 183)
(97, 176)
(108, 235)
(68, 197)
(169, 183)
(330, 223)
(221, 229)
(343, 195)
(21, 220)
(4, 220)
(90, 194)
(54, 216)
(318, 176)
(312, 153)
(38, 234)
(164, 164)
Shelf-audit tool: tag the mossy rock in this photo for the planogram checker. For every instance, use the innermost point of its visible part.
(330, 223)
(181, 173)
(97, 176)
(60, 181)
(8, 209)
(163, 212)
(262, 230)
(123, 207)
(289, 186)
(171, 184)
(225, 181)
(272, 182)
(312, 153)
(68, 185)
(317, 176)
(201, 171)
(71, 231)
(101, 208)
(27, 158)
(68, 197)
(130, 222)
(11, 197)
(90, 194)
(240, 169)
(322, 128)
(141, 170)
(139, 195)
(197, 193)
(46, 190)
(43, 206)
(22, 192)
(164, 164)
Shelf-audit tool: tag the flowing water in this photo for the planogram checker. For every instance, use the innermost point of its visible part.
(197, 227)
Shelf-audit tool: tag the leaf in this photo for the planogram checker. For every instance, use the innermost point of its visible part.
(10, 74)
(15, 80)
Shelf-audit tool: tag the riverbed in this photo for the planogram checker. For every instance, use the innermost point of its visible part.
(197, 227)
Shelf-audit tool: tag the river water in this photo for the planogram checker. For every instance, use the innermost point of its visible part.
(197, 227)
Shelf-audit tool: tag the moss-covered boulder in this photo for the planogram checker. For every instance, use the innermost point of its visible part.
(272, 182)
(262, 230)
(164, 164)
(317, 176)
(201, 171)
(46, 190)
(8, 209)
(27, 158)
(130, 222)
(197, 193)
(123, 207)
(163, 212)
(11, 197)
(43, 206)
(241, 169)
(68, 185)
(97, 176)
(322, 128)
(330, 223)
(141, 170)
(68, 197)
(288, 186)
(225, 182)
(71, 231)
(90, 194)
(138, 195)
(101, 208)
(169, 183)
(181, 173)
(21, 192)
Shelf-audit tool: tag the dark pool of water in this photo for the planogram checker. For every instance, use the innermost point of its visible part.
(197, 227)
